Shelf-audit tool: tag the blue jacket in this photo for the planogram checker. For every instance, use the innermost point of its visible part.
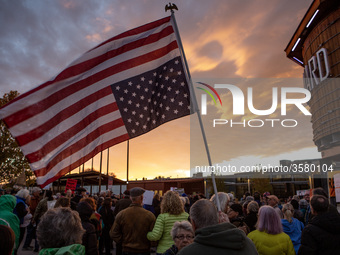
(294, 230)
(20, 209)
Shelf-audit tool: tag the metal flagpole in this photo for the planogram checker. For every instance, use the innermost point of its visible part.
(193, 97)
(127, 161)
(100, 171)
(107, 166)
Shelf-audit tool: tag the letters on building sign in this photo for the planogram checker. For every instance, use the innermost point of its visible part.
(316, 70)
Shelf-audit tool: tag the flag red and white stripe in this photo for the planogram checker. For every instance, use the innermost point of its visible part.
(64, 122)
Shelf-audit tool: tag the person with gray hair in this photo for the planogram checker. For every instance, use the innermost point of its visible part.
(182, 234)
(224, 201)
(60, 232)
(214, 238)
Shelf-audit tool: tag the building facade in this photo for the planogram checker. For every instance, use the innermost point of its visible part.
(315, 46)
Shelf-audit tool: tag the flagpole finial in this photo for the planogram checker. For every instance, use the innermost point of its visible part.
(171, 7)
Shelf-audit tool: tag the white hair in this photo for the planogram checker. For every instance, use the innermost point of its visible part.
(36, 189)
(181, 225)
(23, 193)
(223, 198)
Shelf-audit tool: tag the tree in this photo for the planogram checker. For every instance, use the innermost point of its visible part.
(112, 174)
(260, 182)
(220, 184)
(12, 160)
(262, 185)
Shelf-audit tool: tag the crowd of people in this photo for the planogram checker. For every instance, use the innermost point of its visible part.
(79, 223)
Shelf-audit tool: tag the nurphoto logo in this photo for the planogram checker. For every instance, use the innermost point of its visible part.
(238, 99)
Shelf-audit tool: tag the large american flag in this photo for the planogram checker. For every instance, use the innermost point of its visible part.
(120, 89)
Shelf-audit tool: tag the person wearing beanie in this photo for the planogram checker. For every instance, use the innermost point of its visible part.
(235, 215)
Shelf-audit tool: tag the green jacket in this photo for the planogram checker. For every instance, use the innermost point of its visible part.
(74, 249)
(272, 244)
(162, 228)
(7, 217)
(218, 239)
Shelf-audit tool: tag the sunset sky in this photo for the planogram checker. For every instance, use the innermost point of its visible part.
(222, 39)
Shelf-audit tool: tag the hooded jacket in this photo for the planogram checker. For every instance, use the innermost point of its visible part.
(218, 239)
(7, 217)
(74, 249)
(321, 235)
(269, 244)
(294, 230)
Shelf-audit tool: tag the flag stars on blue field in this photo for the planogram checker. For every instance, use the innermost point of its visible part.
(153, 98)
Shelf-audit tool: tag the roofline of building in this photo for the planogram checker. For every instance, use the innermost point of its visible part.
(188, 179)
(303, 31)
(312, 8)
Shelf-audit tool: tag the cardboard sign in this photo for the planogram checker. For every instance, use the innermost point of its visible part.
(179, 190)
(71, 184)
(148, 197)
